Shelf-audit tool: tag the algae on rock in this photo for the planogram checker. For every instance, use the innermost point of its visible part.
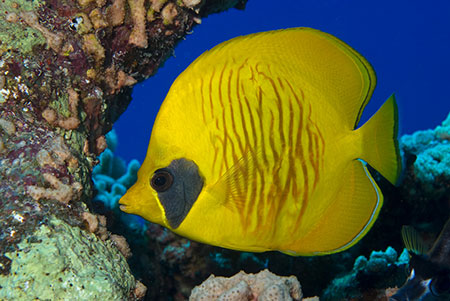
(13, 34)
(59, 261)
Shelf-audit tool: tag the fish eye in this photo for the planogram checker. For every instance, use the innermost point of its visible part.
(440, 285)
(161, 180)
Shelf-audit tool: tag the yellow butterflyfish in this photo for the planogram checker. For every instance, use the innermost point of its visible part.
(256, 147)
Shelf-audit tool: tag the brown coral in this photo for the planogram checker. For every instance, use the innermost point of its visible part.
(156, 5)
(97, 18)
(102, 231)
(69, 123)
(121, 243)
(84, 3)
(138, 37)
(140, 290)
(56, 155)
(91, 220)
(101, 144)
(50, 115)
(192, 3)
(61, 192)
(116, 80)
(116, 13)
(169, 13)
(92, 46)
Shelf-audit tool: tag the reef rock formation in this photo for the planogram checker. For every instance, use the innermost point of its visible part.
(263, 286)
(66, 72)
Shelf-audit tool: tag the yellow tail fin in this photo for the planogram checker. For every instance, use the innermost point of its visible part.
(380, 144)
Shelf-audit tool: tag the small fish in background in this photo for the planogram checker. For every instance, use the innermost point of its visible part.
(256, 147)
(430, 273)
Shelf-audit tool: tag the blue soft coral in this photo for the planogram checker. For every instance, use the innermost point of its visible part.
(432, 148)
(112, 177)
(381, 269)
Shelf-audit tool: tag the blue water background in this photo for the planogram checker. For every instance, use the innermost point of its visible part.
(407, 42)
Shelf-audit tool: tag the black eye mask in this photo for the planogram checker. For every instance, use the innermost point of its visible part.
(178, 186)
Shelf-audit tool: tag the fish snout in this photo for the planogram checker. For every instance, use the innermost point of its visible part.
(124, 204)
(140, 201)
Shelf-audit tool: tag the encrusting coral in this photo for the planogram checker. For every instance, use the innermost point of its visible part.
(264, 286)
(52, 156)
(73, 270)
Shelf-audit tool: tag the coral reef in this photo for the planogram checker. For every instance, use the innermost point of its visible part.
(369, 277)
(66, 72)
(422, 199)
(263, 286)
(432, 163)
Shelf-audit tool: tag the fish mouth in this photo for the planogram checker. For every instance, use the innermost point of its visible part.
(123, 206)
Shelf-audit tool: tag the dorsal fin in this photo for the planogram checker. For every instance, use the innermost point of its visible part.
(412, 240)
(330, 69)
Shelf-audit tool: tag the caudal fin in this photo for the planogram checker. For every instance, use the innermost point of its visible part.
(380, 144)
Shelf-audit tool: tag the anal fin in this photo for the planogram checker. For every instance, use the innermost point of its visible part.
(353, 210)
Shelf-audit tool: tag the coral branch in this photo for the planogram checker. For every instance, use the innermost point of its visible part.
(116, 13)
(61, 192)
(93, 47)
(138, 36)
(169, 13)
